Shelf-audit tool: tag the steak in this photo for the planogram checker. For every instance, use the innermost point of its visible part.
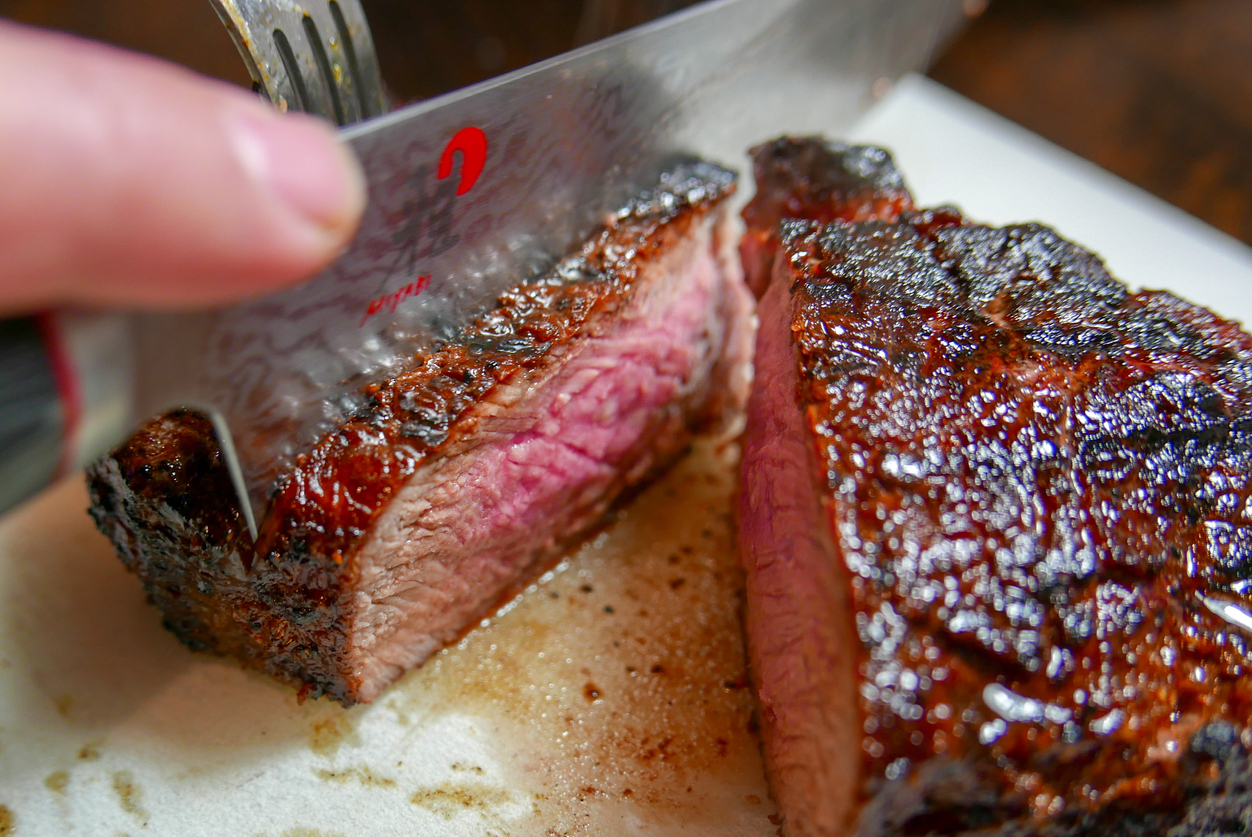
(996, 519)
(456, 482)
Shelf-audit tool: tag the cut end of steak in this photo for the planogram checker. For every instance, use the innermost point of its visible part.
(814, 179)
(996, 516)
(458, 481)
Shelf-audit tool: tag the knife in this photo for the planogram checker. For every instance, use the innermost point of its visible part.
(470, 193)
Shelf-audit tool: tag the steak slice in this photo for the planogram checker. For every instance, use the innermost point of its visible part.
(996, 519)
(814, 179)
(456, 482)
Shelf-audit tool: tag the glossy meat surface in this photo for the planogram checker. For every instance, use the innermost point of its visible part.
(1048, 479)
(455, 482)
(1035, 495)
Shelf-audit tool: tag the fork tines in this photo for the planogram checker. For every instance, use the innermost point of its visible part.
(315, 56)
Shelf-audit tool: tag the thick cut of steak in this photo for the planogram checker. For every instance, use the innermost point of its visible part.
(455, 482)
(996, 517)
(814, 179)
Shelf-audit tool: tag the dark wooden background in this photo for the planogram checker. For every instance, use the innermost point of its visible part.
(1156, 91)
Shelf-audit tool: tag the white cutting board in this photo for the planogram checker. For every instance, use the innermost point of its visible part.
(607, 700)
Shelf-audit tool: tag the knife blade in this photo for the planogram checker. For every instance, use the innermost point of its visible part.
(476, 190)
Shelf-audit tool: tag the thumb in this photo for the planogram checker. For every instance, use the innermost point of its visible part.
(126, 180)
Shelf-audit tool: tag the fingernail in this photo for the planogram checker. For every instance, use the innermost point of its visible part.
(302, 163)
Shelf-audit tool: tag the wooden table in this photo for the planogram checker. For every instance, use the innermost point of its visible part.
(1156, 91)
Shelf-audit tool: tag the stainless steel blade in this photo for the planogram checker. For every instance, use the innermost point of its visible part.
(475, 190)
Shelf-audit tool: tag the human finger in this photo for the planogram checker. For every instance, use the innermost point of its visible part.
(126, 180)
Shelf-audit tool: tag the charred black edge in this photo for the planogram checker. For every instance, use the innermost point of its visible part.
(952, 798)
(825, 166)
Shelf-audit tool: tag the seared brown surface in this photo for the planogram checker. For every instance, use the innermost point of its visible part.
(1047, 478)
(283, 606)
(1039, 485)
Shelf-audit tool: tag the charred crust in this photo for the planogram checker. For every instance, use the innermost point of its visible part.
(165, 500)
(685, 184)
(1049, 478)
(818, 181)
(964, 799)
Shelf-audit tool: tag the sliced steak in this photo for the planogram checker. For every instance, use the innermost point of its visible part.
(814, 179)
(996, 518)
(455, 482)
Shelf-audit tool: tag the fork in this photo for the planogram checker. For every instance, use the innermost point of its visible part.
(315, 56)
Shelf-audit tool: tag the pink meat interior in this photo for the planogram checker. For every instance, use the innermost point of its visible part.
(804, 668)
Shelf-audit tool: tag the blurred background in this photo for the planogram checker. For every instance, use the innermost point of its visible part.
(1158, 92)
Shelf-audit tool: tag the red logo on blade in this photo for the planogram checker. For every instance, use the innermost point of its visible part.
(390, 301)
(472, 143)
